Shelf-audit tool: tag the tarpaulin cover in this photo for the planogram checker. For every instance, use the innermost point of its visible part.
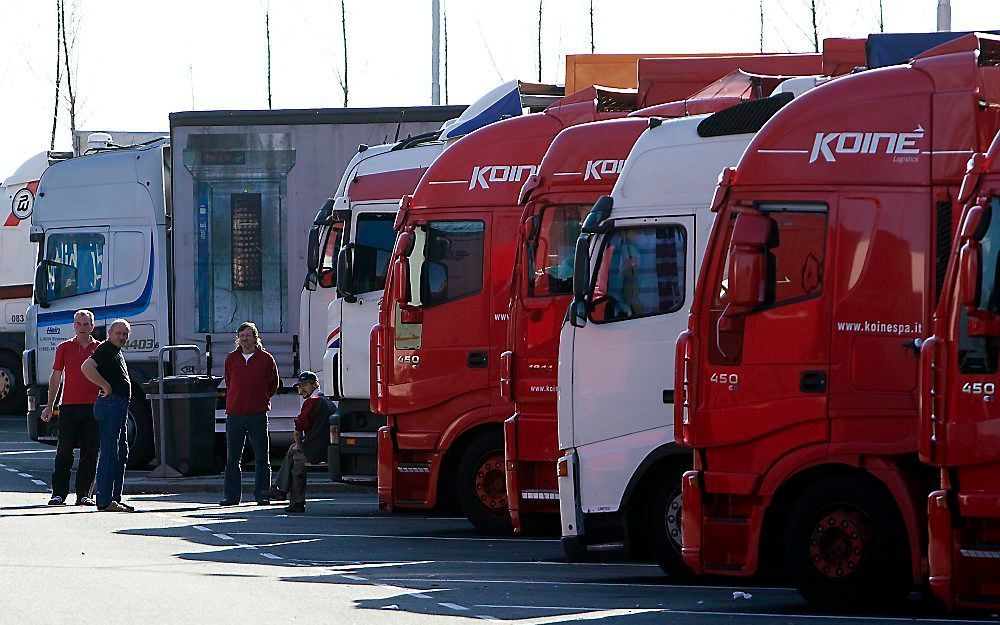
(895, 48)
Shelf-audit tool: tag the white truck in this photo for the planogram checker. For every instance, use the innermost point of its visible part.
(349, 249)
(17, 258)
(637, 259)
(188, 237)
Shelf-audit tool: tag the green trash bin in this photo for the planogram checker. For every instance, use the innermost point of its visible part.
(190, 421)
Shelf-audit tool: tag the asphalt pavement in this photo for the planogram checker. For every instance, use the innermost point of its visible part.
(182, 559)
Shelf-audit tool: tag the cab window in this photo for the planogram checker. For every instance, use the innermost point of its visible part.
(550, 258)
(75, 264)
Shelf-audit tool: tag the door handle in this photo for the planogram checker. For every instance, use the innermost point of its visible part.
(477, 360)
(813, 382)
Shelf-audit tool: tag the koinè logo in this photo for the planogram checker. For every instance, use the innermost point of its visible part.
(483, 176)
(829, 144)
(22, 203)
(606, 167)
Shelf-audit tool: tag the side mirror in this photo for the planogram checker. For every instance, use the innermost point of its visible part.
(581, 268)
(747, 260)
(311, 281)
(345, 273)
(401, 280)
(41, 275)
(578, 313)
(323, 215)
(600, 212)
(312, 251)
(970, 265)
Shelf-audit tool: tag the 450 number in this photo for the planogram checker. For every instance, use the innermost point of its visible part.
(979, 388)
(725, 378)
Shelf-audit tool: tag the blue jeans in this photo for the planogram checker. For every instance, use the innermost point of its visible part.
(110, 413)
(240, 427)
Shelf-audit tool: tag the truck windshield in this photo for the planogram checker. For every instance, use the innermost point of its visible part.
(640, 272)
(550, 258)
(452, 267)
(372, 250)
(76, 264)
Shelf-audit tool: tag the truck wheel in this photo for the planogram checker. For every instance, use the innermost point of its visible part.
(662, 520)
(139, 423)
(12, 393)
(846, 548)
(482, 485)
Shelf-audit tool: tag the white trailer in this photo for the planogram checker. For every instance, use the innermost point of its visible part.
(619, 475)
(189, 237)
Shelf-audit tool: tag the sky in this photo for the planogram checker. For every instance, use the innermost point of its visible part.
(135, 61)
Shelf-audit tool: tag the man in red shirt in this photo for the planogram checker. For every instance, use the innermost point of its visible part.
(312, 435)
(77, 426)
(251, 380)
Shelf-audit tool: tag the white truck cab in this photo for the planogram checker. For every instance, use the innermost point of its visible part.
(619, 476)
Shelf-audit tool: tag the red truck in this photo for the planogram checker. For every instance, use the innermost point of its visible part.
(960, 420)
(443, 323)
(798, 374)
(581, 165)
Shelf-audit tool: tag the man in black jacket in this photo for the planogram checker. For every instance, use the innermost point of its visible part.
(312, 435)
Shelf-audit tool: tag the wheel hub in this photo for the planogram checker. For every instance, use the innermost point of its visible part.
(491, 484)
(6, 383)
(672, 520)
(840, 542)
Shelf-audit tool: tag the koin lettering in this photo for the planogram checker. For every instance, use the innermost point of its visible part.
(605, 167)
(482, 176)
(828, 144)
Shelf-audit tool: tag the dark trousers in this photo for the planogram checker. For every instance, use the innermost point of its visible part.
(111, 413)
(77, 429)
(292, 476)
(239, 428)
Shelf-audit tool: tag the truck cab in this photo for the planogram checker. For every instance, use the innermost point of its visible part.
(17, 257)
(100, 224)
(797, 378)
(959, 419)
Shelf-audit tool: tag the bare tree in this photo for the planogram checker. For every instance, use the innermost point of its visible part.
(812, 5)
(267, 36)
(445, 27)
(881, 16)
(55, 110)
(762, 26)
(69, 34)
(591, 26)
(540, 40)
(342, 78)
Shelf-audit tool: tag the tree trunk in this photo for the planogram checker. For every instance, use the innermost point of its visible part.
(812, 4)
(69, 73)
(55, 110)
(540, 40)
(267, 35)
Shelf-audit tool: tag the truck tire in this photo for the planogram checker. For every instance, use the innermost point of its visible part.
(13, 397)
(482, 487)
(662, 525)
(139, 424)
(846, 548)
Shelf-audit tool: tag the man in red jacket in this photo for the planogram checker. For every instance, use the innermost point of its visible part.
(251, 381)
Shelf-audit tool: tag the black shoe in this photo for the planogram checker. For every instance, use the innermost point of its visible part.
(277, 494)
(127, 507)
(57, 501)
(229, 502)
(85, 501)
(295, 508)
(264, 502)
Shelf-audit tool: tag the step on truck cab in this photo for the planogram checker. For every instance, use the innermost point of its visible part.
(797, 379)
(17, 258)
(582, 164)
(443, 322)
(619, 475)
(959, 418)
(349, 247)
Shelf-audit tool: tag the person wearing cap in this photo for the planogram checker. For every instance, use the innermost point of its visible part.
(312, 435)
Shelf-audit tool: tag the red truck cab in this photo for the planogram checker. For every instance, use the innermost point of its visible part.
(960, 419)
(798, 375)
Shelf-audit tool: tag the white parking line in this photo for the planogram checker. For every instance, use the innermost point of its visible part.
(39, 482)
(384, 536)
(356, 578)
(27, 475)
(420, 595)
(11, 470)
(223, 537)
(453, 606)
(271, 556)
(201, 528)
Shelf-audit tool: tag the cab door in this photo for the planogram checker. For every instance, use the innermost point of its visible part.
(73, 275)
